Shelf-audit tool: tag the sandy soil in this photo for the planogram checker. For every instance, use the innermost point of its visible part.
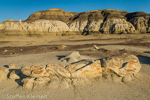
(26, 51)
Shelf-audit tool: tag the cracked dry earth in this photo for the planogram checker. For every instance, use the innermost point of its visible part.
(45, 50)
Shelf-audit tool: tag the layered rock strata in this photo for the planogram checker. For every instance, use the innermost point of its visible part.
(48, 26)
(107, 21)
(51, 14)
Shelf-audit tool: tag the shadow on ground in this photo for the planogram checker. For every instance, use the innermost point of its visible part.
(144, 59)
(60, 57)
(147, 52)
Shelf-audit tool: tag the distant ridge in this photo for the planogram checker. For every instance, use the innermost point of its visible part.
(57, 21)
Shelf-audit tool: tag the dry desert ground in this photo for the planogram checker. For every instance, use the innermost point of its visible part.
(44, 50)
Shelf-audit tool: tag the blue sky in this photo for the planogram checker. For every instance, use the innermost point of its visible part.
(21, 9)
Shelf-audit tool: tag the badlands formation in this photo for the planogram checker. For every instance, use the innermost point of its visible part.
(59, 22)
(63, 64)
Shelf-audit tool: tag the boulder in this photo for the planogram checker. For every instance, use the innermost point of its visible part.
(121, 64)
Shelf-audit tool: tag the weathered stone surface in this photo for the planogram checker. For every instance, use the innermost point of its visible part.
(117, 26)
(39, 73)
(51, 69)
(140, 23)
(62, 71)
(27, 69)
(3, 75)
(130, 16)
(121, 64)
(94, 26)
(119, 68)
(77, 26)
(13, 75)
(58, 70)
(140, 20)
(13, 26)
(85, 26)
(92, 21)
(86, 21)
(92, 69)
(42, 26)
(42, 71)
(28, 83)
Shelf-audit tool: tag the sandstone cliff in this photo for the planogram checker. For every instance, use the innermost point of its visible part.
(106, 21)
